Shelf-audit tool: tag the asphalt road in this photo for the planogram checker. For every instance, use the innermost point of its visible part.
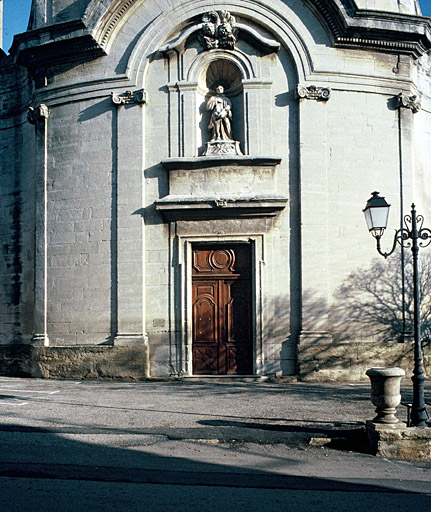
(182, 446)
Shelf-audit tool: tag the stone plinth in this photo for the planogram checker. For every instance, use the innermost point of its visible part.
(223, 147)
(398, 441)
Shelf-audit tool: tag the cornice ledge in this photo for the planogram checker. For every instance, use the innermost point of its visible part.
(351, 27)
(389, 32)
(55, 44)
(203, 162)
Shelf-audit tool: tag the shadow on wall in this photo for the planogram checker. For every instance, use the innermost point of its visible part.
(375, 300)
(370, 315)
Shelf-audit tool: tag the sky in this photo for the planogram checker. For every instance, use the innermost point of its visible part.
(16, 14)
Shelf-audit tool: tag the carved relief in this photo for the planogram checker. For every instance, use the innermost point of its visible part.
(35, 114)
(139, 96)
(405, 100)
(218, 30)
(313, 93)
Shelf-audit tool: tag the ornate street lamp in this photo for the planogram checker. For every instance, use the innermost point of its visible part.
(413, 235)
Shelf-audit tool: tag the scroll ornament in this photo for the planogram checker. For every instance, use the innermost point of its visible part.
(314, 93)
(409, 101)
(37, 113)
(128, 97)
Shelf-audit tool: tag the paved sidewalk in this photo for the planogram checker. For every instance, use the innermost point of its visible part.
(196, 447)
(228, 411)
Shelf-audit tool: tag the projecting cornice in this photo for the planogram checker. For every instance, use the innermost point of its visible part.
(347, 26)
(55, 44)
(350, 27)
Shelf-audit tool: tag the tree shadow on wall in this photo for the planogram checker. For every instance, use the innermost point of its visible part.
(377, 299)
(370, 314)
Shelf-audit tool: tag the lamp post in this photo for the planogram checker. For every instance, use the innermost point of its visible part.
(412, 235)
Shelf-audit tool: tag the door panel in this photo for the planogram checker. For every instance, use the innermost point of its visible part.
(222, 333)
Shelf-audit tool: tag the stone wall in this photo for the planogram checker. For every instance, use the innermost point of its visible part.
(92, 363)
(323, 361)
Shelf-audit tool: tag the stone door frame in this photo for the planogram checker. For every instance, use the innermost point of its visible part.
(181, 297)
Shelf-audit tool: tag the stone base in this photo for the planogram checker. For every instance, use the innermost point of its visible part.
(223, 147)
(320, 359)
(80, 362)
(398, 441)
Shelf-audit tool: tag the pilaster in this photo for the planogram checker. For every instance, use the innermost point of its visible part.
(128, 260)
(188, 118)
(314, 214)
(38, 116)
(256, 121)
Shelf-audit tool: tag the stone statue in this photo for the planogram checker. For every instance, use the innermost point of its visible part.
(220, 106)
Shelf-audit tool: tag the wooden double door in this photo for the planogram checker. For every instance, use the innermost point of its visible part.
(222, 309)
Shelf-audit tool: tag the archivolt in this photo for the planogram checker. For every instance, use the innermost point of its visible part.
(106, 17)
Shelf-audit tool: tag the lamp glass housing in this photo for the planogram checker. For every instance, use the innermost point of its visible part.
(376, 214)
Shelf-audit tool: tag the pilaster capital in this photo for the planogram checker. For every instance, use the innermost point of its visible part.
(312, 92)
(37, 113)
(129, 97)
(411, 101)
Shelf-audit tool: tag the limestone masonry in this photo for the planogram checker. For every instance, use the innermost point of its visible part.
(182, 185)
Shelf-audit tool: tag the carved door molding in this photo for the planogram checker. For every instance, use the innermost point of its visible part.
(222, 310)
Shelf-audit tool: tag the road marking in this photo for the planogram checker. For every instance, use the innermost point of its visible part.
(30, 391)
(14, 404)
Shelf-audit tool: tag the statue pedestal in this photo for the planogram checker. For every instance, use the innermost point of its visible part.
(223, 147)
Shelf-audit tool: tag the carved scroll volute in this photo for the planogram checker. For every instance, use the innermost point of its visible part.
(405, 100)
(38, 113)
(129, 97)
(313, 92)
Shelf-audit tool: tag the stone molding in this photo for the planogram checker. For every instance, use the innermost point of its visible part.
(129, 97)
(406, 100)
(351, 27)
(200, 162)
(174, 208)
(312, 92)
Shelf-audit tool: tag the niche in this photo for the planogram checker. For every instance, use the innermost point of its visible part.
(225, 73)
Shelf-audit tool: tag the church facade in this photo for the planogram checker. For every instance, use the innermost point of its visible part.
(183, 184)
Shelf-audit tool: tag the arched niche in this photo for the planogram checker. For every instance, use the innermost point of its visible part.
(224, 72)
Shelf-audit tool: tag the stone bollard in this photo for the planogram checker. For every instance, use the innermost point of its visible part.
(385, 393)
